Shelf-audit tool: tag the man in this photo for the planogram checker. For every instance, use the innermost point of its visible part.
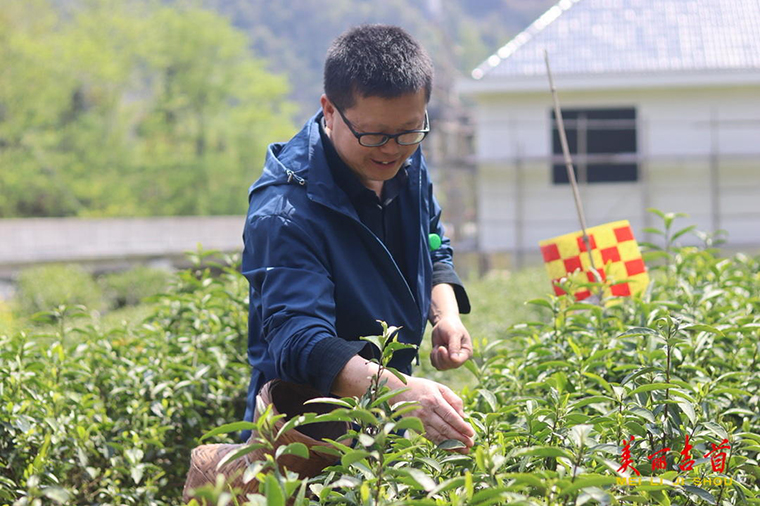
(337, 237)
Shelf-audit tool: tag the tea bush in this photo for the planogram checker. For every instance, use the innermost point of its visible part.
(131, 287)
(110, 417)
(498, 301)
(558, 398)
(48, 286)
(7, 318)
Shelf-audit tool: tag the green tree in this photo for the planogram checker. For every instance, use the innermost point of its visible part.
(213, 110)
(30, 106)
(130, 108)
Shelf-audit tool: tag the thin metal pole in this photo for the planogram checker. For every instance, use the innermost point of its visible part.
(569, 164)
(519, 214)
(645, 172)
(714, 172)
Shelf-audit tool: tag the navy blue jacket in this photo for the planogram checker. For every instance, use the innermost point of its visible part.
(316, 272)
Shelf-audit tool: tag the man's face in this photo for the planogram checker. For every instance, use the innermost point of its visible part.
(375, 165)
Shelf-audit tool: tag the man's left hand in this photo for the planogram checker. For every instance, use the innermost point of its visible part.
(452, 345)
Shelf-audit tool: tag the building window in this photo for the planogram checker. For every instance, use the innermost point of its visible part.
(602, 143)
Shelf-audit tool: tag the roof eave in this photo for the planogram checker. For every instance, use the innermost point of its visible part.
(583, 82)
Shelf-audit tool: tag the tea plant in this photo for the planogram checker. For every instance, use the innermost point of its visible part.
(632, 403)
(44, 287)
(373, 465)
(109, 417)
(680, 361)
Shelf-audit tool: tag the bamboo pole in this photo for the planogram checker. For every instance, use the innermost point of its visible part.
(569, 167)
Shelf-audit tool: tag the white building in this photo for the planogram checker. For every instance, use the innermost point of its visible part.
(661, 100)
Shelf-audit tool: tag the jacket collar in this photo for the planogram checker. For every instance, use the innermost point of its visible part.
(302, 161)
(345, 178)
(321, 185)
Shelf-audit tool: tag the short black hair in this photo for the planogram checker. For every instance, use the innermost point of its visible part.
(376, 61)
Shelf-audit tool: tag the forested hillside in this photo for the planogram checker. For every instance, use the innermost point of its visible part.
(294, 35)
(116, 108)
(142, 107)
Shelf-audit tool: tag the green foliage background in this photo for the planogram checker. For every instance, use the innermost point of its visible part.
(148, 107)
(48, 286)
(459, 34)
(131, 108)
(94, 414)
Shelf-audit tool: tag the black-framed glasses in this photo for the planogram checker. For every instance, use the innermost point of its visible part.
(375, 139)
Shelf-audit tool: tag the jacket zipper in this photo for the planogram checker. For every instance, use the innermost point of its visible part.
(301, 181)
(292, 175)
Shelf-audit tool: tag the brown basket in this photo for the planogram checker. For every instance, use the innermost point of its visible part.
(286, 398)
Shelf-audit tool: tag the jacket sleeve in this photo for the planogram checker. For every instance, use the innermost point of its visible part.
(292, 288)
(443, 263)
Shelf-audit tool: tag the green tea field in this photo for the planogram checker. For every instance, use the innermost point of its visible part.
(653, 400)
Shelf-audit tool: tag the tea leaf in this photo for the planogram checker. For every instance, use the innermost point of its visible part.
(681, 232)
(273, 492)
(422, 479)
(591, 400)
(540, 302)
(638, 372)
(252, 470)
(703, 328)
(650, 387)
(353, 456)
(57, 494)
(701, 493)
(643, 413)
(639, 331)
(687, 408)
(412, 423)
(527, 479)
(490, 398)
(296, 448)
(243, 451)
(488, 496)
(446, 485)
(230, 427)
(715, 429)
(586, 481)
(599, 380)
(374, 340)
(542, 451)
(331, 400)
(450, 444)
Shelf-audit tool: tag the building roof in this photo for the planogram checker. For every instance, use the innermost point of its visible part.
(621, 37)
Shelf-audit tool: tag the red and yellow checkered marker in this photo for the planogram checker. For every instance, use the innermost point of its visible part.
(616, 257)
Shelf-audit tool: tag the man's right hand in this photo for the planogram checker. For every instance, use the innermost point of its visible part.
(441, 411)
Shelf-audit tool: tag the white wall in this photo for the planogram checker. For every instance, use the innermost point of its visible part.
(675, 140)
(677, 120)
(28, 241)
(545, 210)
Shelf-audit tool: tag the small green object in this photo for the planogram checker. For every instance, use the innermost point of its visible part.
(434, 241)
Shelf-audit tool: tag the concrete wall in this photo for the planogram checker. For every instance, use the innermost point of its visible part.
(688, 140)
(25, 242)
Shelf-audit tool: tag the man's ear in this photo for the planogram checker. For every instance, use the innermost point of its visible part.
(328, 109)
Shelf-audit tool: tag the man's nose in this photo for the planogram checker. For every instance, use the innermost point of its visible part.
(390, 148)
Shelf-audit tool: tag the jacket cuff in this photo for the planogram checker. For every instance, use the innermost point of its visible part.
(443, 272)
(328, 357)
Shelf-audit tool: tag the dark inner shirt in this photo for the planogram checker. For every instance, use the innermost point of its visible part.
(381, 215)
